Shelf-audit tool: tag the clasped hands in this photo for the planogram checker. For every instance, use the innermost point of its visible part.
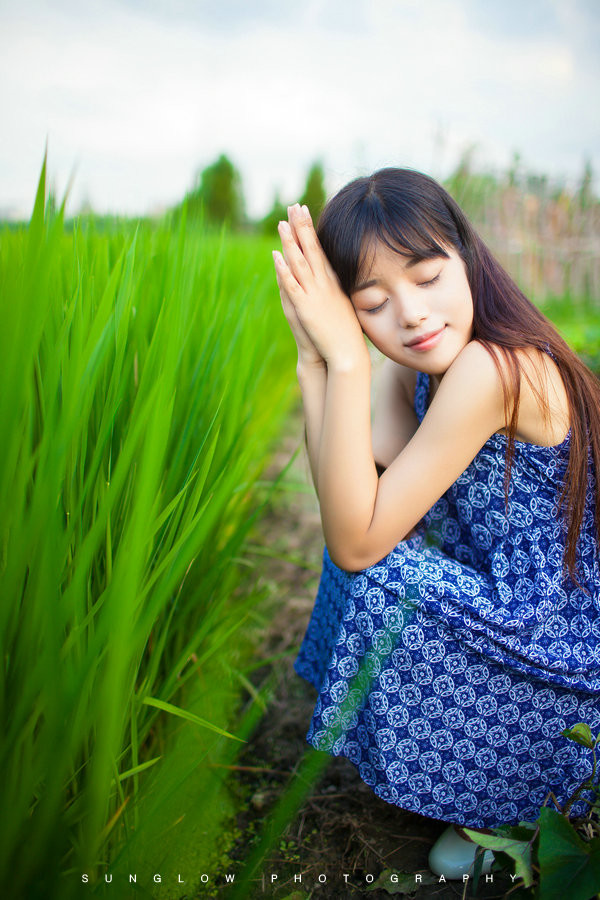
(319, 313)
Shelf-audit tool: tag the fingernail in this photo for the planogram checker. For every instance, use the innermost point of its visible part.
(283, 226)
(305, 211)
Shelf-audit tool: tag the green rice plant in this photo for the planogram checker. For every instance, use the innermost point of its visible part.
(145, 373)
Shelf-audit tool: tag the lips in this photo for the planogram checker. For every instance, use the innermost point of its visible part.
(425, 341)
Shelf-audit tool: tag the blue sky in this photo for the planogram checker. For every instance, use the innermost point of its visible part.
(136, 96)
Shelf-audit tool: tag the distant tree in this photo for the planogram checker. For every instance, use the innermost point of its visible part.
(314, 195)
(218, 193)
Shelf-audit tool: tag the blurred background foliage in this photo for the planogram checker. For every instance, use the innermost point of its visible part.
(217, 196)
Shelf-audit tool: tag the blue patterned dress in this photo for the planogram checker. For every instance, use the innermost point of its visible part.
(447, 670)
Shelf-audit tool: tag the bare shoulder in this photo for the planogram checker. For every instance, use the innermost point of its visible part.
(542, 416)
(476, 356)
(490, 365)
(479, 369)
(534, 365)
(469, 402)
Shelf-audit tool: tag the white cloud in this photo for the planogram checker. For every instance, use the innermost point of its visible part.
(140, 99)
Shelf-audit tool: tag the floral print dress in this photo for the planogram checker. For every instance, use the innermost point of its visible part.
(447, 671)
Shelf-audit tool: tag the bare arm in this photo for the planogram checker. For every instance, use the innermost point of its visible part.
(312, 378)
(394, 419)
(311, 368)
(363, 519)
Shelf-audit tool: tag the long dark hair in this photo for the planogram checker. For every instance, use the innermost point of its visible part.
(412, 214)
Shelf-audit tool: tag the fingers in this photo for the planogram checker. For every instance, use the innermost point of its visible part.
(294, 255)
(306, 348)
(285, 299)
(292, 224)
(306, 236)
(287, 282)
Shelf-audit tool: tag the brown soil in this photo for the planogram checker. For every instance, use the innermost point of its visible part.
(342, 828)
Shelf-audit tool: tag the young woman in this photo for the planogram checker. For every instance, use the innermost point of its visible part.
(456, 631)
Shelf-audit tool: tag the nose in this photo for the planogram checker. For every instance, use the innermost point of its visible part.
(410, 308)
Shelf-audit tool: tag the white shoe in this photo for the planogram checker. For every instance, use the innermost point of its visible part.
(454, 857)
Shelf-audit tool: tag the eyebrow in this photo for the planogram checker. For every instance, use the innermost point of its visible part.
(412, 261)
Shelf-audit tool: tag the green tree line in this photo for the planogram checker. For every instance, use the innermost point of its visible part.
(217, 194)
(217, 197)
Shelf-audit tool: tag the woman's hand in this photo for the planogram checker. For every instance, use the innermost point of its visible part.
(308, 355)
(318, 308)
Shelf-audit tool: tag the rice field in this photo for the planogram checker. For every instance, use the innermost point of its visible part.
(147, 372)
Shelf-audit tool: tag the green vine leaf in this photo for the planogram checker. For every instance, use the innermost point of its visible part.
(518, 850)
(581, 734)
(565, 860)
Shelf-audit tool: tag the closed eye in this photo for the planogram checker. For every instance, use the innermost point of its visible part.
(375, 309)
(431, 281)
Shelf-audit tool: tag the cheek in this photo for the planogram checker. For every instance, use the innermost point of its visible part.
(367, 324)
(469, 311)
(375, 332)
(465, 304)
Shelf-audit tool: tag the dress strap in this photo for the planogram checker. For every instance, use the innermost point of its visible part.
(421, 395)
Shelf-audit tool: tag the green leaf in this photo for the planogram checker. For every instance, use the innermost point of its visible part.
(137, 769)
(190, 717)
(581, 734)
(565, 860)
(518, 850)
(524, 831)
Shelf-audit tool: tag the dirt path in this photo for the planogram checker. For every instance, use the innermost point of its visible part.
(343, 832)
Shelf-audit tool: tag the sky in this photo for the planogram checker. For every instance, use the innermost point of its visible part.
(134, 97)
